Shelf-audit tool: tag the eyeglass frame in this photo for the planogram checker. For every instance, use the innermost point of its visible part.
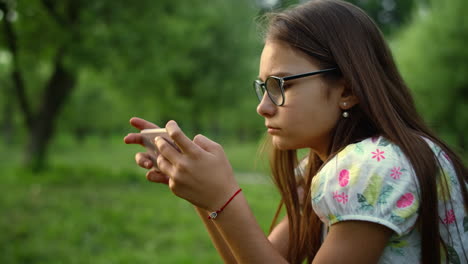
(281, 81)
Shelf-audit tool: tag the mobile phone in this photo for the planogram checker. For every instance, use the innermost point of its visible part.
(148, 136)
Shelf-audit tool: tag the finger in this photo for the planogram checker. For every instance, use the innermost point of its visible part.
(166, 150)
(205, 143)
(134, 138)
(144, 160)
(140, 123)
(164, 165)
(157, 176)
(181, 140)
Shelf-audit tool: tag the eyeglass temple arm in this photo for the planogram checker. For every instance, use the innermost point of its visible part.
(307, 74)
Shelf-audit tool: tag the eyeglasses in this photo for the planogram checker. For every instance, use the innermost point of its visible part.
(274, 86)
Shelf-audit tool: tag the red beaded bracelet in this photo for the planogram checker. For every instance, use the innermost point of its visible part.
(213, 215)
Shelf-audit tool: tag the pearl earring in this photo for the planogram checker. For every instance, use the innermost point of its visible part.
(345, 113)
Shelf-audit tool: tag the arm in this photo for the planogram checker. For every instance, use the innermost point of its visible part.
(353, 242)
(347, 242)
(218, 241)
(279, 237)
(245, 237)
(339, 246)
(142, 159)
(201, 174)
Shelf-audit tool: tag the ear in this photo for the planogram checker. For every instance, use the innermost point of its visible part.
(347, 99)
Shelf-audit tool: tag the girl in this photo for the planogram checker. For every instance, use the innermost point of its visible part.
(378, 186)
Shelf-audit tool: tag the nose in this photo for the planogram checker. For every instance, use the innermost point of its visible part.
(266, 107)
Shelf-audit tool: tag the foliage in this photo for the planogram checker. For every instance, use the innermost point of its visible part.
(389, 15)
(168, 60)
(433, 58)
(159, 60)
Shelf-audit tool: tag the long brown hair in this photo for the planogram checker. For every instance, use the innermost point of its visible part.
(339, 34)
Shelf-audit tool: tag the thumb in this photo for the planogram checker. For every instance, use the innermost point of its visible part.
(205, 143)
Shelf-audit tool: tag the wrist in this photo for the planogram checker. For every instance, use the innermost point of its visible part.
(214, 213)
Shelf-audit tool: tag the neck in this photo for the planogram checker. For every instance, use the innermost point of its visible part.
(323, 156)
(321, 150)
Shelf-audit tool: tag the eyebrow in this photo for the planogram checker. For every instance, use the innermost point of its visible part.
(277, 74)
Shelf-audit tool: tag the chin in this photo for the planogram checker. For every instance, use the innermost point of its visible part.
(282, 144)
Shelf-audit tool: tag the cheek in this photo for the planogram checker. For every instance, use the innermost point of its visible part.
(310, 116)
(314, 124)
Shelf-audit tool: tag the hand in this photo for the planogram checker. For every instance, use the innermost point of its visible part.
(200, 172)
(142, 158)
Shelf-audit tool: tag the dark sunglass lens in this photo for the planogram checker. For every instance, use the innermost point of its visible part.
(274, 90)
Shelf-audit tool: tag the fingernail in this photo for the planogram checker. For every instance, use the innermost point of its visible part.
(147, 164)
(150, 176)
(173, 122)
(156, 142)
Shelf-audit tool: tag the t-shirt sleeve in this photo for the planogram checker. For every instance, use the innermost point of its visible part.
(368, 181)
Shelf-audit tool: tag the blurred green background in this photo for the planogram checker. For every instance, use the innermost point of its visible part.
(72, 73)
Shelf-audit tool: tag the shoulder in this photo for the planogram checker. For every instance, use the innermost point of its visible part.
(370, 180)
(376, 154)
(375, 149)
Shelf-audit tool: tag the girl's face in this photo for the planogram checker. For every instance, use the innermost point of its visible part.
(312, 105)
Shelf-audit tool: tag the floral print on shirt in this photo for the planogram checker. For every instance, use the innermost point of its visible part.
(373, 181)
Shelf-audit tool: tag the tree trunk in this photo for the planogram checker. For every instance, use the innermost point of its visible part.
(57, 92)
(16, 77)
(7, 124)
(41, 124)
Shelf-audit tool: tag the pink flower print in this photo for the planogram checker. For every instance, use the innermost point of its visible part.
(343, 178)
(446, 156)
(341, 198)
(378, 155)
(405, 200)
(449, 217)
(396, 173)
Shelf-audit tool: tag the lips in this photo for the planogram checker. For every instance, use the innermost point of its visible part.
(272, 127)
(273, 130)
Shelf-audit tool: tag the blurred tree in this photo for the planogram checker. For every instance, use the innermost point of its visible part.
(197, 61)
(7, 110)
(156, 59)
(433, 58)
(40, 121)
(390, 15)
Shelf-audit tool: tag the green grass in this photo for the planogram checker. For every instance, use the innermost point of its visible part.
(113, 223)
(94, 205)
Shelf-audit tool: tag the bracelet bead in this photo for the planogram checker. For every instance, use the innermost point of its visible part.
(214, 214)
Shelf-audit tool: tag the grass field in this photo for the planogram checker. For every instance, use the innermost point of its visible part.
(94, 206)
